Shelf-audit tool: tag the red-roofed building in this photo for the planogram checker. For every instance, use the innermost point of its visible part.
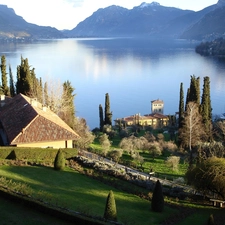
(24, 122)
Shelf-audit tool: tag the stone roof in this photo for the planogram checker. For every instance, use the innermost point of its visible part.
(24, 120)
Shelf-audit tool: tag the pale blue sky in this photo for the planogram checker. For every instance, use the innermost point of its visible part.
(66, 14)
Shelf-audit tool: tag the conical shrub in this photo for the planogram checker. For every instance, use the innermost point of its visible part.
(59, 162)
(157, 204)
(12, 155)
(110, 208)
(211, 220)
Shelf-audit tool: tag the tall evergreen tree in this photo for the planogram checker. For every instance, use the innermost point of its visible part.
(194, 95)
(4, 88)
(157, 203)
(181, 105)
(110, 208)
(101, 118)
(11, 83)
(23, 84)
(187, 98)
(108, 113)
(205, 108)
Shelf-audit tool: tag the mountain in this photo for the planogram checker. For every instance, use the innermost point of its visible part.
(152, 19)
(209, 27)
(146, 19)
(15, 27)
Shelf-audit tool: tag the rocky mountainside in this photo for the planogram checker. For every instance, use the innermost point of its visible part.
(152, 19)
(145, 19)
(13, 26)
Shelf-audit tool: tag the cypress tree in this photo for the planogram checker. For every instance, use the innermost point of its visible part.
(194, 95)
(110, 208)
(157, 203)
(11, 83)
(181, 105)
(101, 118)
(187, 99)
(24, 81)
(59, 162)
(108, 114)
(4, 88)
(205, 108)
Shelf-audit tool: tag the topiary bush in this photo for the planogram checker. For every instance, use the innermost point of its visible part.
(211, 220)
(157, 203)
(59, 162)
(110, 208)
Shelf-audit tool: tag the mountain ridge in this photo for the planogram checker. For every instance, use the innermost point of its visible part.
(147, 20)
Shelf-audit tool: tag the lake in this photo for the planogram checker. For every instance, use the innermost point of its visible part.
(133, 71)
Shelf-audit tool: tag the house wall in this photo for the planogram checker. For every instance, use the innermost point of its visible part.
(53, 144)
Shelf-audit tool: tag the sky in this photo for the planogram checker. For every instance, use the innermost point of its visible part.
(66, 14)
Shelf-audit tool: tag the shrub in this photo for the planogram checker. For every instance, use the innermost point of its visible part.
(110, 208)
(211, 220)
(157, 203)
(59, 162)
(173, 162)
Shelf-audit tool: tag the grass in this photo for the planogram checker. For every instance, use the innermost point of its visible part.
(17, 214)
(80, 193)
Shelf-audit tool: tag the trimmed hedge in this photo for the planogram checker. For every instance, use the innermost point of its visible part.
(35, 154)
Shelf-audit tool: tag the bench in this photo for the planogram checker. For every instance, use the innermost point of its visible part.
(217, 202)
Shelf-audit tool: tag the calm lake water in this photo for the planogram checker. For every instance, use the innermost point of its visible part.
(133, 71)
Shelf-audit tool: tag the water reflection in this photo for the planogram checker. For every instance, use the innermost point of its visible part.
(132, 71)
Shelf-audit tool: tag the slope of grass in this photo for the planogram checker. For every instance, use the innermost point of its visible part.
(80, 193)
(18, 214)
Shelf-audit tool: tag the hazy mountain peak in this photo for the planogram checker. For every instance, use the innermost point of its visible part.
(221, 3)
(144, 4)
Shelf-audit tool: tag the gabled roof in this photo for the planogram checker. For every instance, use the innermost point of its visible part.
(24, 120)
(158, 101)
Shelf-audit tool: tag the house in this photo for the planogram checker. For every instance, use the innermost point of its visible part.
(24, 122)
(157, 106)
(155, 120)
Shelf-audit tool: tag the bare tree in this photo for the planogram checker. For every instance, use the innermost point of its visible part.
(192, 130)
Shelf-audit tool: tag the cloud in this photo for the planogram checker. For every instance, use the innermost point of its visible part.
(75, 3)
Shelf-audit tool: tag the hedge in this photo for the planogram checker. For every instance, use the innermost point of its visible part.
(35, 154)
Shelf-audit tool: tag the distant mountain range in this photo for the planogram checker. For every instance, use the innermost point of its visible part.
(13, 26)
(148, 20)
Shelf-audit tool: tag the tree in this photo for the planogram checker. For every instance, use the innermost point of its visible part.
(46, 100)
(194, 95)
(4, 87)
(173, 162)
(191, 132)
(110, 208)
(208, 175)
(67, 108)
(101, 118)
(59, 162)
(157, 203)
(23, 84)
(108, 113)
(206, 109)
(105, 143)
(86, 136)
(11, 83)
(181, 106)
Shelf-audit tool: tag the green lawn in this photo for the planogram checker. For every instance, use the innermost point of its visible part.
(17, 214)
(80, 193)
